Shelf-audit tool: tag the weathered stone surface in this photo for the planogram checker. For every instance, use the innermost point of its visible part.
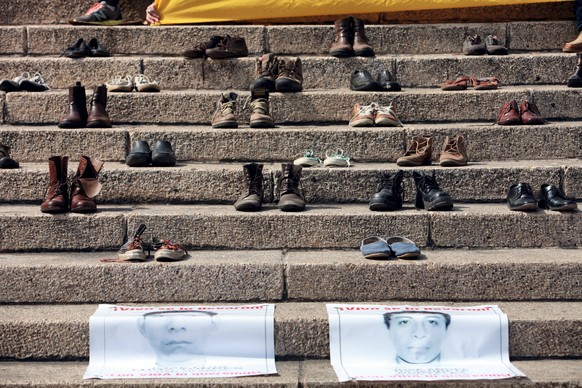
(548, 35)
(487, 226)
(12, 41)
(317, 227)
(35, 144)
(206, 276)
(558, 102)
(25, 228)
(441, 275)
(572, 176)
(141, 40)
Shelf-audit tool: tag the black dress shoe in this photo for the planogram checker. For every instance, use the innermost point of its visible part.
(96, 50)
(520, 197)
(363, 81)
(552, 198)
(429, 196)
(5, 160)
(387, 82)
(163, 154)
(78, 50)
(389, 195)
(140, 154)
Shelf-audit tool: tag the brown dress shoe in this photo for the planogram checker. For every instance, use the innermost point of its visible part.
(418, 153)
(509, 114)
(530, 115)
(344, 38)
(56, 199)
(84, 185)
(574, 46)
(454, 152)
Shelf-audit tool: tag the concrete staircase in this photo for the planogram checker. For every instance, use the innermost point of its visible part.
(51, 279)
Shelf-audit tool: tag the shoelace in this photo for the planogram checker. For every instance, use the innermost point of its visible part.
(387, 182)
(416, 148)
(452, 146)
(260, 105)
(168, 244)
(428, 183)
(228, 107)
(119, 80)
(367, 109)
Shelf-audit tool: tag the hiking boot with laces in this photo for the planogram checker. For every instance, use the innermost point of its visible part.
(134, 249)
(429, 196)
(386, 117)
(5, 160)
(252, 198)
(291, 198)
(261, 109)
(265, 70)
(418, 153)
(224, 115)
(509, 114)
(363, 115)
(520, 197)
(389, 194)
(199, 51)
(290, 76)
(454, 152)
(167, 250)
(308, 160)
(56, 199)
(530, 115)
(100, 14)
(336, 159)
(228, 47)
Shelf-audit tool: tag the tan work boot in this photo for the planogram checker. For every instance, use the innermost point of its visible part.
(418, 153)
(574, 46)
(454, 152)
(224, 115)
(261, 109)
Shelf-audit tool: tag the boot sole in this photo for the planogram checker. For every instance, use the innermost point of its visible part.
(292, 208)
(342, 53)
(72, 125)
(451, 163)
(54, 210)
(225, 124)
(365, 53)
(383, 207)
(526, 207)
(262, 124)
(99, 124)
(84, 210)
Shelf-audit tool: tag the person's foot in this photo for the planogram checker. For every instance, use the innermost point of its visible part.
(100, 14)
(574, 46)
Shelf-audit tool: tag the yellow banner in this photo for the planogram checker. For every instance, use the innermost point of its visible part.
(205, 11)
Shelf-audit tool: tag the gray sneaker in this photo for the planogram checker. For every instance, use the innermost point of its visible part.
(100, 14)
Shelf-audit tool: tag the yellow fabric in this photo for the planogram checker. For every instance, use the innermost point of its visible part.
(205, 11)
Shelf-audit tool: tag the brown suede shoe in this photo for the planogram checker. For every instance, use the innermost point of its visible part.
(418, 153)
(574, 46)
(530, 115)
(454, 152)
(509, 114)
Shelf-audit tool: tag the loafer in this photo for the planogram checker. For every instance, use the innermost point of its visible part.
(96, 50)
(375, 248)
(552, 198)
(6, 162)
(78, 50)
(473, 45)
(403, 248)
(140, 154)
(163, 155)
(494, 46)
(520, 197)
(362, 81)
(387, 82)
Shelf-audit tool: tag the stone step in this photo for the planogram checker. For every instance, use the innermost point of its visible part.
(275, 275)
(25, 228)
(319, 72)
(315, 106)
(291, 39)
(56, 332)
(485, 142)
(224, 183)
(311, 373)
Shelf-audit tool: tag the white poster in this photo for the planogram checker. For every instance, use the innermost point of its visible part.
(371, 342)
(129, 342)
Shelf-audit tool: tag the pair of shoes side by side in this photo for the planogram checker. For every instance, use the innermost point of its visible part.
(429, 196)
(226, 108)
(78, 116)
(82, 49)
(362, 81)
(126, 84)
(520, 197)
(527, 113)
(219, 47)
(141, 155)
(374, 115)
(474, 45)
(24, 83)
(350, 39)
(278, 74)
(419, 152)
(99, 14)
(134, 249)
(6, 162)
(377, 248)
(463, 82)
(76, 194)
(333, 158)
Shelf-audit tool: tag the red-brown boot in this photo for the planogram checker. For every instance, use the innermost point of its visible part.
(56, 199)
(84, 186)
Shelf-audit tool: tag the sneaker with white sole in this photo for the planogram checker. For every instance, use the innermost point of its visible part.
(143, 84)
(120, 84)
(133, 250)
(167, 250)
(100, 14)
(386, 117)
(337, 159)
(363, 115)
(308, 160)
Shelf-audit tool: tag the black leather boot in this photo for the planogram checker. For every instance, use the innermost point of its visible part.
(389, 195)
(252, 198)
(575, 80)
(429, 196)
(77, 117)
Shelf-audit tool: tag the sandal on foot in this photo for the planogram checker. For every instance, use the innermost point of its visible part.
(403, 247)
(375, 248)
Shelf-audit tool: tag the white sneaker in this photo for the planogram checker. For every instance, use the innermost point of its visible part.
(120, 84)
(32, 84)
(309, 160)
(143, 84)
(337, 159)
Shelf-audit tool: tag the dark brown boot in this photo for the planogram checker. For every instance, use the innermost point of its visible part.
(252, 198)
(344, 38)
(98, 117)
(56, 199)
(77, 117)
(290, 196)
(361, 46)
(84, 186)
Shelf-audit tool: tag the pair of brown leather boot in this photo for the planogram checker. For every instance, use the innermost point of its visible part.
(350, 39)
(78, 117)
(419, 152)
(76, 194)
